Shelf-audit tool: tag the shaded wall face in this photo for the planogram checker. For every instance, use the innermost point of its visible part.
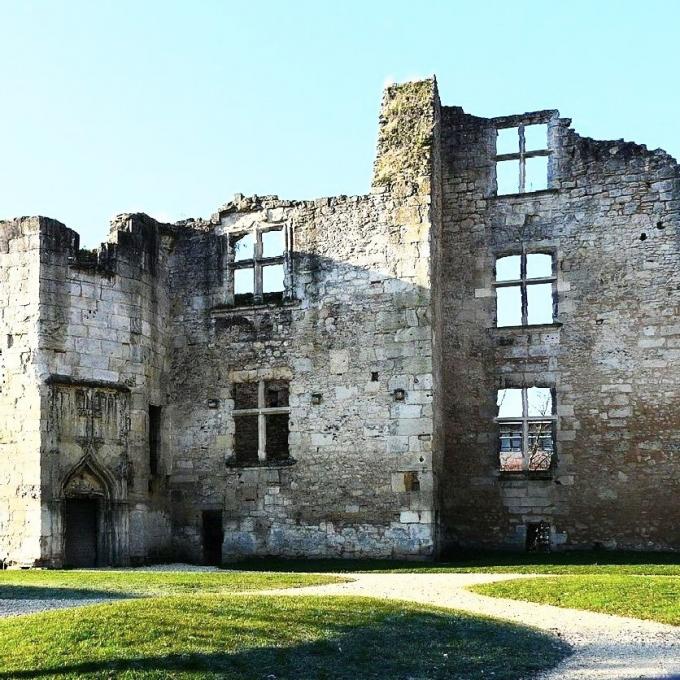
(19, 394)
(610, 217)
(355, 328)
(102, 356)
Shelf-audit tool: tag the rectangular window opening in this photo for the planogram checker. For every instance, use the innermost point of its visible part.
(244, 284)
(246, 439)
(276, 393)
(244, 248)
(273, 283)
(276, 445)
(273, 243)
(536, 173)
(259, 262)
(526, 424)
(154, 438)
(509, 306)
(261, 418)
(525, 290)
(507, 177)
(522, 159)
(245, 395)
(507, 140)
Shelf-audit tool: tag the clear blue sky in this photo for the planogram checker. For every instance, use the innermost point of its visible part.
(171, 107)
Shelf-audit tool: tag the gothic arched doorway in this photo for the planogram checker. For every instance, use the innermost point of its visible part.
(87, 516)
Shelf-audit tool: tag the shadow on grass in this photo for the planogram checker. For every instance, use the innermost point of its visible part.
(474, 560)
(402, 644)
(19, 592)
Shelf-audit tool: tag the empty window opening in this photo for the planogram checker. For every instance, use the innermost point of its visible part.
(643, 236)
(261, 420)
(273, 243)
(244, 283)
(272, 279)
(526, 422)
(525, 289)
(411, 481)
(154, 438)
(259, 265)
(375, 376)
(538, 537)
(245, 395)
(522, 159)
(244, 248)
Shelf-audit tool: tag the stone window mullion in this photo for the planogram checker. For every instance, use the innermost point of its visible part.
(261, 423)
(525, 430)
(522, 159)
(258, 265)
(523, 288)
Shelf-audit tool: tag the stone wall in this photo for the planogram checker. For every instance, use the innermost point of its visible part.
(355, 328)
(19, 394)
(610, 215)
(102, 356)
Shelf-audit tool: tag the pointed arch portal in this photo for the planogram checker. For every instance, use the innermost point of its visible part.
(87, 492)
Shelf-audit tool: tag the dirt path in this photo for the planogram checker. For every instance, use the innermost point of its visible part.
(605, 646)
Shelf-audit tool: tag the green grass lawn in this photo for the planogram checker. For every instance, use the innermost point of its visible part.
(45, 584)
(642, 597)
(573, 562)
(266, 637)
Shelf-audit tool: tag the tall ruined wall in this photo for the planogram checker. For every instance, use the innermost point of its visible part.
(611, 217)
(355, 327)
(102, 357)
(19, 395)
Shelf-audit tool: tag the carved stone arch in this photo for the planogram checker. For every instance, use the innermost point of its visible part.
(88, 479)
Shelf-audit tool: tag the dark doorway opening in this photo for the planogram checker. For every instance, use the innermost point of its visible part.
(80, 518)
(538, 537)
(213, 535)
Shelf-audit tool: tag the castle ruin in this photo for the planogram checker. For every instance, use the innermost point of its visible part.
(481, 352)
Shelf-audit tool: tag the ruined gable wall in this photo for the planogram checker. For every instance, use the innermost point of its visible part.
(360, 275)
(613, 360)
(102, 359)
(19, 395)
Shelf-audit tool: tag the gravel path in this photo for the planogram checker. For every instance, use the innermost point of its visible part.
(605, 646)
(14, 607)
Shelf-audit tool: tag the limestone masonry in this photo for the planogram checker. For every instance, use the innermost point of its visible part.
(482, 352)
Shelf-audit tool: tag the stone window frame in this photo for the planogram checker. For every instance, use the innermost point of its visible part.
(521, 122)
(257, 264)
(526, 421)
(262, 411)
(524, 282)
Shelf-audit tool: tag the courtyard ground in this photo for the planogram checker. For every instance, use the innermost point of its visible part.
(389, 621)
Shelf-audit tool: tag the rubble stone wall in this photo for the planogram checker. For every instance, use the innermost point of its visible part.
(611, 216)
(356, 328)
(103, 325)
(19, 395)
